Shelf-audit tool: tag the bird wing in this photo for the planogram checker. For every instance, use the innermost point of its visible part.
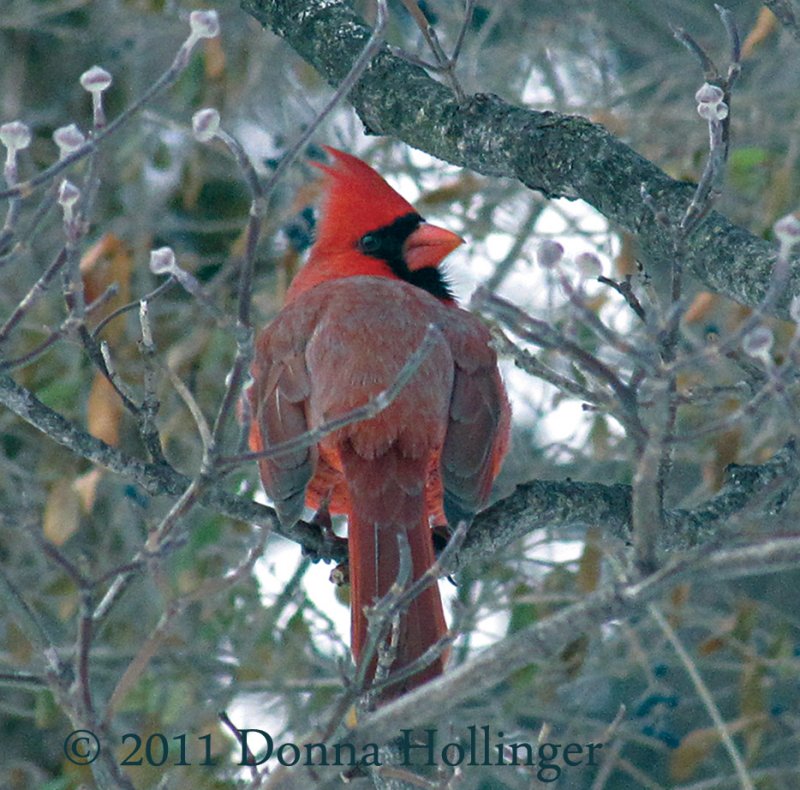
(278, 401)
(478, 421)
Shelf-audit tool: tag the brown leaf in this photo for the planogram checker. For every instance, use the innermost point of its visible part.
(105, 263)
(700, 307)
(726, 449)
(86, 487)
(711, 645)
(590, 563)
(456, 190)
(625, 262)
(616, 124)
(574, 654)
(214, 58)
(103, 411)
(765, 26)
(61, 513)
(680, 595)
(695, 747)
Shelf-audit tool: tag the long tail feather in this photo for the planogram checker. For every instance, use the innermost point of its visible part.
(387, 498)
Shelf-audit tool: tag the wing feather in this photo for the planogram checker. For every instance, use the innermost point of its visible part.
(279, 405)
(477, 429)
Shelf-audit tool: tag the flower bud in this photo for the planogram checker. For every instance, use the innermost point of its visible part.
(68, 139)
(794, 309)
(713, 112)
(588, 264)
(15, 136)
(68, 194)
(758, 342)
(549, 253)
(95, 80)
(162, 261)
(204, 24)
(787, 230)
(709, 94)
(205, 124)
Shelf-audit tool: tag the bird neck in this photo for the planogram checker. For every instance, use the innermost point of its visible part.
(323, 266)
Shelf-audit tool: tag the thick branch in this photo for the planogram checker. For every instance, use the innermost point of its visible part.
(544, 640)
(538, 504)
(156, 479)
(559, 155)
(568, 505)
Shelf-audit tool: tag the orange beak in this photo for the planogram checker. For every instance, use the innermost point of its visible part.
(428, 245)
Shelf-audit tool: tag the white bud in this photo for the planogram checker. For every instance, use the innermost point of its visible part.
(721, 111)
(588, 264)
(758, 342)
(68, 139)
(709, 94)
(204, 24)
(794, 309)
(68, 194)
(713, 112)
(205, 124)
(549, 253)
(162, 261)
(787, 230)
(95, 79)
(15, 135)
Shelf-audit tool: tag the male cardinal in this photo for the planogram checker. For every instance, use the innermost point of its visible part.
(353, 316)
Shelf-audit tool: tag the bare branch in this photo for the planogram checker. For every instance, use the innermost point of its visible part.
(559, 155)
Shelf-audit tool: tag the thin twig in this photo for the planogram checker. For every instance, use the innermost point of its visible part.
(38, 289)
(705, 695)
(542, 334)
(372, 48)
(149, 297)
(168, 78)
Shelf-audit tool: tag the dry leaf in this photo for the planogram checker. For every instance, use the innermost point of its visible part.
(625, 262)
(214, 58)
(61, 513)
(86, 487)
(456, 190)
(680, 595)
(616, 124)
(726, 449)
(351, 719)
(590, 563)
(711, 645)
(107, 262)
(700, 307)
(693, 749)
(765, 26)
(103, 411)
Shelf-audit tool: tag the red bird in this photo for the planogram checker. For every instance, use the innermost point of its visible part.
(354, 314)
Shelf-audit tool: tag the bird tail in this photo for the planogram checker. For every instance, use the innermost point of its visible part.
(387, 498)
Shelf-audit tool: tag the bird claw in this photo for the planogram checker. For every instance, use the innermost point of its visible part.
(441, 535)
(330, 540)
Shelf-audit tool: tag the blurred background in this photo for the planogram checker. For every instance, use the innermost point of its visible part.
(270, 648)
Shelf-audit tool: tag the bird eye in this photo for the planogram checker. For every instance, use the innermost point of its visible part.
(369, 243)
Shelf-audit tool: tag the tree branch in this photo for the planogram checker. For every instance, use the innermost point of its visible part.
(156, 479)
(544, 640)
(559, 155)
(565, 505)
(538, 504)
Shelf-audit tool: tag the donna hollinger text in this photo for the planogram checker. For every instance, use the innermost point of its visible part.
(478, 746)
